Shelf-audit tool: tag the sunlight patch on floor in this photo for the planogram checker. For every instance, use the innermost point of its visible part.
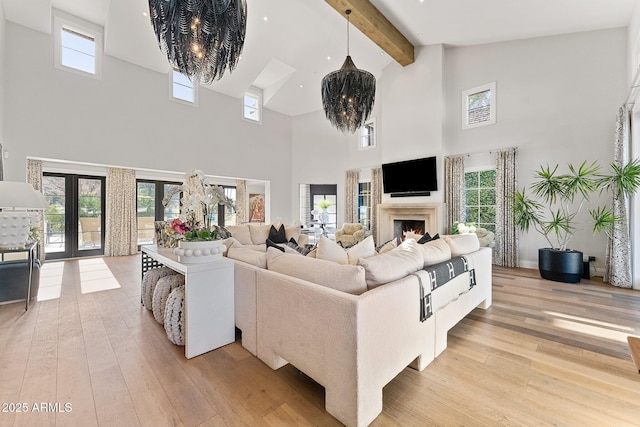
(95, 276)
(50, 281)
(595, 328)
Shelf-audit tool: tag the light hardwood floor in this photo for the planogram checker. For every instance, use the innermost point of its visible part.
(545, 353)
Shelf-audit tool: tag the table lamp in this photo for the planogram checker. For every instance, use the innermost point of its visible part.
(15, 222)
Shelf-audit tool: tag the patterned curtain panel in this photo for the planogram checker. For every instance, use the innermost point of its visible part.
(376, 199)
(121, 224)
(242, 211)
(505, 252)
(351, 196)
(454, 196)
(1, 163)
(617, 269)
(305, 209)
(34, 177)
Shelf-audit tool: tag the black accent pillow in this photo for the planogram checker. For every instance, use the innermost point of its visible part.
(271, 244)
(427, 238)
(277, 236)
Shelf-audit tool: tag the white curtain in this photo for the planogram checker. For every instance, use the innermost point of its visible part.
(505, 252)
(242, 212)
(121, 236)
(618, 260)
(376, 199)
(351, 196)
(34, 177)
(454, 195)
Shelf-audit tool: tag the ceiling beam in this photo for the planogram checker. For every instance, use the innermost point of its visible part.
(368, 19)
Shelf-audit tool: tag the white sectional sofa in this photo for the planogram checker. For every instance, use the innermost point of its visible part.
(352, 342)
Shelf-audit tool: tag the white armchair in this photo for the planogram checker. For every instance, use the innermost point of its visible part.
(350, 234)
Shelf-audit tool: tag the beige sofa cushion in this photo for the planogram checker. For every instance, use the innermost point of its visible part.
(244, 254)
(462, 244)
(435, 251)
(391, 244)
(345, 278)
(393, 265)
(293, 232)
(241, 233)
(259, 233)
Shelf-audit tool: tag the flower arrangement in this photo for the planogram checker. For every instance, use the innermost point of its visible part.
(199, 201)
(324, 204)
(463, 228)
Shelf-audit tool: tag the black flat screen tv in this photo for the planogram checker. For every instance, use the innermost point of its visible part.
(410, 178)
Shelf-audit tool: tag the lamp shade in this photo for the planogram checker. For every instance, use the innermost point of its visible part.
(20, 195)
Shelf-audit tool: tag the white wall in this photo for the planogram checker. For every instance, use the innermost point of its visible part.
(127, 119)
(2, 62)
(557, 100)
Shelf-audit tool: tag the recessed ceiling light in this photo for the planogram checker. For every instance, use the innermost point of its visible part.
(420, 34)
(145, 14)
(265, 18)
(301, 86)
(328, 58)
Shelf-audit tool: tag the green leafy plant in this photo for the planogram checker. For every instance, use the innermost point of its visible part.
(324, 204)
(558, 198)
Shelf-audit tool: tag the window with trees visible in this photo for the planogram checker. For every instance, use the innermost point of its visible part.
(364, 204)
(479, 106)
(150, 208)
(480, 188)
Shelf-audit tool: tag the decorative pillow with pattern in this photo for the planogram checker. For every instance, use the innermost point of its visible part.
(304, 250)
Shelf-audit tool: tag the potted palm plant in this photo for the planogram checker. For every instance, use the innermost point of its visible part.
(553, 211)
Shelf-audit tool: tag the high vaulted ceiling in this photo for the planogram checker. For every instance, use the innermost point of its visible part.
(291, 44)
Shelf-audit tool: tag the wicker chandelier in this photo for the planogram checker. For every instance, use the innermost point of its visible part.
(348, 94)
(201, 38)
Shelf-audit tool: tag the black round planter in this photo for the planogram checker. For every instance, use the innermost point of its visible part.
(560, 266)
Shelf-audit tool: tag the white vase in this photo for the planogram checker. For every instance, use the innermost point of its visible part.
(199, 252)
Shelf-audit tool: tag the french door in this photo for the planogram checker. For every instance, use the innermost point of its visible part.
(75, 218)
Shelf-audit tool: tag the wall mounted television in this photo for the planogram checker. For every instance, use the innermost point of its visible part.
(416, 177)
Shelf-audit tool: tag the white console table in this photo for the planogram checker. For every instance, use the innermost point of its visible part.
(209, 302)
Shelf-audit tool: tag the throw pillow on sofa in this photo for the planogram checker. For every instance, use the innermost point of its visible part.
(363, 249)
(427, 238)
(304, 249)
(345, 278)
(277, 235)
(435, 251)
(393, 265)
(462, 244)
(328, 250)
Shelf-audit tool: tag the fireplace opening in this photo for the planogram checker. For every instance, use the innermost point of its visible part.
(402, 226)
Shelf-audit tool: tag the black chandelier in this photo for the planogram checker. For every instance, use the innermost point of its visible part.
(201, 38)
(348, 94)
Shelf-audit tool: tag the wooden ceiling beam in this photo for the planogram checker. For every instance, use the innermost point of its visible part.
(368, 19)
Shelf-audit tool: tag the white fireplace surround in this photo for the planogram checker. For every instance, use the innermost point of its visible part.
(388, 212)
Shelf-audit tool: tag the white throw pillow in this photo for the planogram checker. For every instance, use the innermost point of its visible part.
(345, 278)
(411, 235)
(328, 250)
(391, 244)
(363, 249)
(393, 265)
(435, 251)
(292, 232)
(241, 233)
(462, 244)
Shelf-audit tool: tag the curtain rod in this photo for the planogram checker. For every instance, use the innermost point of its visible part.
(476, 153)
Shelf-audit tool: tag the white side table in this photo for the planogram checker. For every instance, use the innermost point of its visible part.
(209, 301)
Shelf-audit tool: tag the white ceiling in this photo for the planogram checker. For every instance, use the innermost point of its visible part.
(287, 54)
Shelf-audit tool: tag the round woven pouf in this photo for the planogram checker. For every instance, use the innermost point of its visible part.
(149, 281)
(161, 293)
(174, 316)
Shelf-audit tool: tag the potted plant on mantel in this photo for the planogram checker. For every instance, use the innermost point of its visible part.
(554, 211)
